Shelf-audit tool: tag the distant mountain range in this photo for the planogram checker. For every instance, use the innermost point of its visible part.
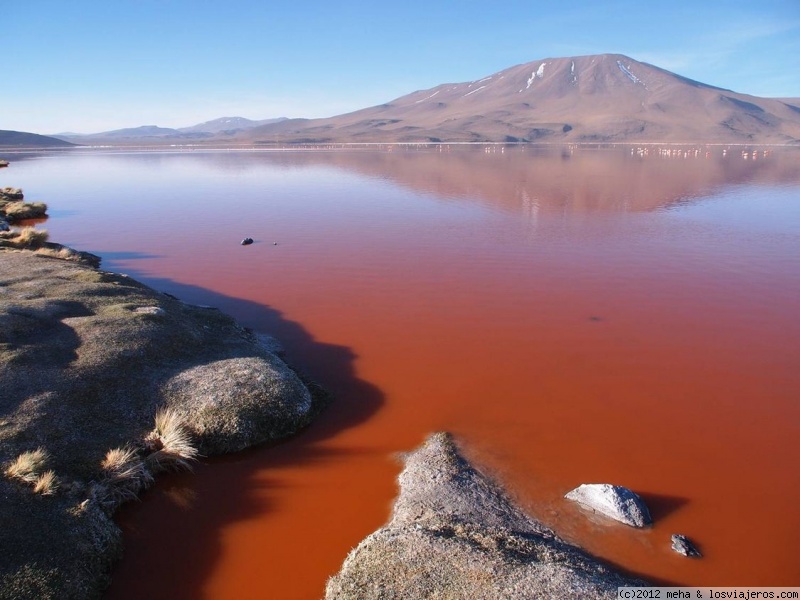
(592, 99)
(224, 127)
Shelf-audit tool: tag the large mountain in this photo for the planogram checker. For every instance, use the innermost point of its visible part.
(602, 98)
(23, 139)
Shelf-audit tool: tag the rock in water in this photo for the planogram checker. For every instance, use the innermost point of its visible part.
(247, 241)
(613, 501)
(454, 534)
(682, 545)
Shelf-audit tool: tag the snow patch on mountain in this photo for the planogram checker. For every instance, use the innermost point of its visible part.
(537, 74)
(473, 91)
(428, 98)
(630, 75)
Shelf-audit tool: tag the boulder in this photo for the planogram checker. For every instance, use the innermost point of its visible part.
(454, 533)
(614, 501)
(271, 401)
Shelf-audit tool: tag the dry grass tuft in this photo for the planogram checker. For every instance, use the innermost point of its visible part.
(170, 443)
(16, 211)
(63, 253)
(124, 476)
(28, 465)
(46, 484)
(27, 237)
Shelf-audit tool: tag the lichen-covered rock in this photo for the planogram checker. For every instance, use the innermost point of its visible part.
(86, 359)
(454, 534)
(614, 501)
(271, 402)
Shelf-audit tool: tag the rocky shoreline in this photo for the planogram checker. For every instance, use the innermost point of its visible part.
(89, 359)
(106, 383)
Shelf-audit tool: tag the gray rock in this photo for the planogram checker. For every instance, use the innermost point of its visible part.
(454, 534)
(613, 501)
(683, 545)
(271, 402)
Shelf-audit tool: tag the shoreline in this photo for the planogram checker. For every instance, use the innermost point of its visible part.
(109, 354)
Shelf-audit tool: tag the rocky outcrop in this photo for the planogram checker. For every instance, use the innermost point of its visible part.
(614, 501)
(13, 208)
(87, 359)
(454, 534)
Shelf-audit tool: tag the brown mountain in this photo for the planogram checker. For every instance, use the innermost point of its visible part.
(603, 98)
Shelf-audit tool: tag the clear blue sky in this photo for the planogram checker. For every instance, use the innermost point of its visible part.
(87, 65)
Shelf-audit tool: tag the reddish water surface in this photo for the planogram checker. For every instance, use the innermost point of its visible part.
(572, 315)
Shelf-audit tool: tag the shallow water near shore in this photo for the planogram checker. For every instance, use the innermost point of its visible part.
(573, 315)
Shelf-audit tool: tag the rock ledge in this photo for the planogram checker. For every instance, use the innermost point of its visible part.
(454, 534)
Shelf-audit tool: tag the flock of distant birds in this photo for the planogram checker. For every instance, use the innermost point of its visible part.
(694, 153)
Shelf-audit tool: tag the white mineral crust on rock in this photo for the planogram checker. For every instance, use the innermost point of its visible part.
(613, 501)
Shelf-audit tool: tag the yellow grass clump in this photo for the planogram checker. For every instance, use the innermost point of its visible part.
(46, 484)
(124, 475)
(28, 465)
(170, 443)
(16, 211)
(27, 237)
(63, 253)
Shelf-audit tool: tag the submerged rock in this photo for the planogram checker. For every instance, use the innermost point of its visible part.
(454, 534)
(683, 545)
(613, 501)
(247, 241)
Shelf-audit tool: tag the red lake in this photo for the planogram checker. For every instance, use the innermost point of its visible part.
(572, 315)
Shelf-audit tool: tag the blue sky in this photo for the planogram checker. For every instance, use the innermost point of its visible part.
(88, 66)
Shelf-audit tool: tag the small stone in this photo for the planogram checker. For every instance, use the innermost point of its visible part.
(149, 310)
(683, 545)
(613, 501)
(247, 241)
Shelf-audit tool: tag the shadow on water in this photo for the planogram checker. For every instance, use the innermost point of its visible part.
(110, 257)
(173, 540)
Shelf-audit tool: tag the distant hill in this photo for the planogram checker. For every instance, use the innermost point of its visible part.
(602, 98)
(228, 125)
(139, 132)
(23, 139)
(152, 134)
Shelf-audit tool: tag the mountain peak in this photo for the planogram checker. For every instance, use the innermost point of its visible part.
(592, 98)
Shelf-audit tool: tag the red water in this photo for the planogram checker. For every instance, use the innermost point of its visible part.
(572, 316)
